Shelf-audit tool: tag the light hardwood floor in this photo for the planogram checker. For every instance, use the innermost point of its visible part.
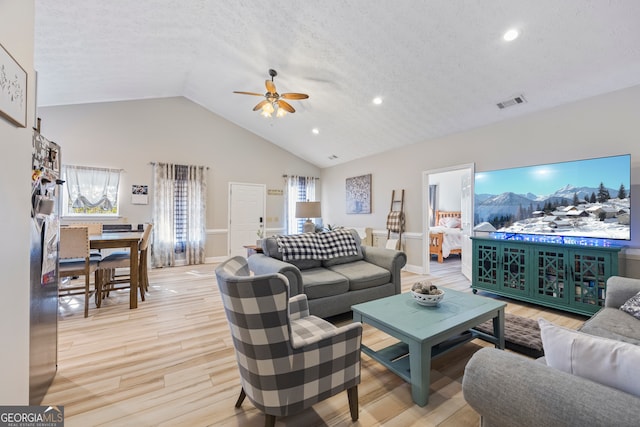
(171, 362)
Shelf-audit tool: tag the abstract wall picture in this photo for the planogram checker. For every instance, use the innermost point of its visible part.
(13, 89)
(358, 191)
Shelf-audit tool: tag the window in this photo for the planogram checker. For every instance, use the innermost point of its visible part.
(181, 203)
(90, 191)
(179, 213)
(299, 189)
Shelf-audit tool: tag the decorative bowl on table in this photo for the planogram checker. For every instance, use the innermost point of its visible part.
(425, 293)
(428, 299)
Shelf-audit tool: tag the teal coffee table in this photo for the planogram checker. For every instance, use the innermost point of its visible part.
(427, 332)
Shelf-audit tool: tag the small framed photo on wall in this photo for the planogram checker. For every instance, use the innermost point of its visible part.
(139, 194)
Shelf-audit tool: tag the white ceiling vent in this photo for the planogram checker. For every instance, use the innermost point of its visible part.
(511, 102)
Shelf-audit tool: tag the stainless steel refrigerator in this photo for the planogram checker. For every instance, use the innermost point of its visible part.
(45, 226)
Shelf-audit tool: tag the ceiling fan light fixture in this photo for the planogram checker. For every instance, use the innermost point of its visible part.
(274, 102)
(511, 34)
(268, 108)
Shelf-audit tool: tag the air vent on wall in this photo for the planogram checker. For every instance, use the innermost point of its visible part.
(511, 102)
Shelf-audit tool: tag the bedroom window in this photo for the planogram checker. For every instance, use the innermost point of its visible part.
(90, 191)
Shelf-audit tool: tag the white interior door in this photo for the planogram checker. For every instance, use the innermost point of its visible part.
(246, 215)
(466, 213)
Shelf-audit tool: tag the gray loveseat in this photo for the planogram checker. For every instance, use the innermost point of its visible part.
(333, 285)
(508, 389)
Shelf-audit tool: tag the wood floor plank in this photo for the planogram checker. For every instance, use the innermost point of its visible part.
(171, 362)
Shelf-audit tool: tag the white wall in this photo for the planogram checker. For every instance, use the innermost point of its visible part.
(16, 35)
(449, 189)
(131, 134)
(600, 126)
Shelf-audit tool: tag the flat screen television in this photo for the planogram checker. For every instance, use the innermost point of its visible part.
(582, 199)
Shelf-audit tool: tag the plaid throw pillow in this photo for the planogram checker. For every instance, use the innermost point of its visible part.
(320, 246)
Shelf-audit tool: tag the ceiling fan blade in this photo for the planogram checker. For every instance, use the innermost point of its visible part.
(248, 93)
(271, 87)
(260, 105)
(286, 106)
(294, 96)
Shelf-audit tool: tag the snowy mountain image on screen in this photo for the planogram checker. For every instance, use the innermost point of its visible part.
(569, 211)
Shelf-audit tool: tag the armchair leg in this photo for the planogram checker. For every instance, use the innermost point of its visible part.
(269, 420)
(352, 394)
(240, 398)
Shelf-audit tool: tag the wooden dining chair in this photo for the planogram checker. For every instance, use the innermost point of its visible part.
(106, 278)
(95, 229)
(75, 261)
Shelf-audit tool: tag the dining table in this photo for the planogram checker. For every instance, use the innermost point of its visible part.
(129, 240)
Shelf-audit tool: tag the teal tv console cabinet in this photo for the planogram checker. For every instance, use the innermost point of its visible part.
(566, 277)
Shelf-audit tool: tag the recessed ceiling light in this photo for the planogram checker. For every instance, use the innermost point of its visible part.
(377, 100)
(511, 35)
(315, 131)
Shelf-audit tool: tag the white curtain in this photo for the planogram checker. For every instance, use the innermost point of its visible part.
(92, 187)
(179, 212)
(433, 189)
(298, 189)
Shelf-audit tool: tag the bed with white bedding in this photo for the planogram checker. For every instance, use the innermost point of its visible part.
(445, 238)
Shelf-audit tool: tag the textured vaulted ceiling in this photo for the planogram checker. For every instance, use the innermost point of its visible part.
(440, 66)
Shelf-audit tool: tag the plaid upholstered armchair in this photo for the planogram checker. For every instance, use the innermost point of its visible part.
(288, 360)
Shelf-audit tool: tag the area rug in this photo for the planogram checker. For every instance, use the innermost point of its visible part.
(521, 334)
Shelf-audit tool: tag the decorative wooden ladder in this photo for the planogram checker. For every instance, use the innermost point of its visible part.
(397, 214)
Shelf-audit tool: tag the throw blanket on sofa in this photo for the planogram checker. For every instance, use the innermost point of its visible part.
(332, 244)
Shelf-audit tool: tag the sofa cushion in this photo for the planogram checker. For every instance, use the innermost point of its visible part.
(347, 258)
(605, 361)
(632, 306)
(321, 282)
(615, 324)
(362, 274)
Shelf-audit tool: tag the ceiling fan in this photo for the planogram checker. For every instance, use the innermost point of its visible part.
(273, 100)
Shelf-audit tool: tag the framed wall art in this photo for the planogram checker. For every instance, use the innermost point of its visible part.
(139, 194)
(359, 194)
(13, 89)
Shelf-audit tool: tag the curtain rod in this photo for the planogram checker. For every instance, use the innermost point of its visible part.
(154, 163)
(287, 176)
(93, 168)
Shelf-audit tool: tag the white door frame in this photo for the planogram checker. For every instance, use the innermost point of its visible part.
(425, 203)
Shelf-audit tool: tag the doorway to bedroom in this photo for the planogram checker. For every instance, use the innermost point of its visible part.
(448, 219)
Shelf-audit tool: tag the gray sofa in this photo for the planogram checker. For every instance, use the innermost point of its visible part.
(332, 286)
(507, 389)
